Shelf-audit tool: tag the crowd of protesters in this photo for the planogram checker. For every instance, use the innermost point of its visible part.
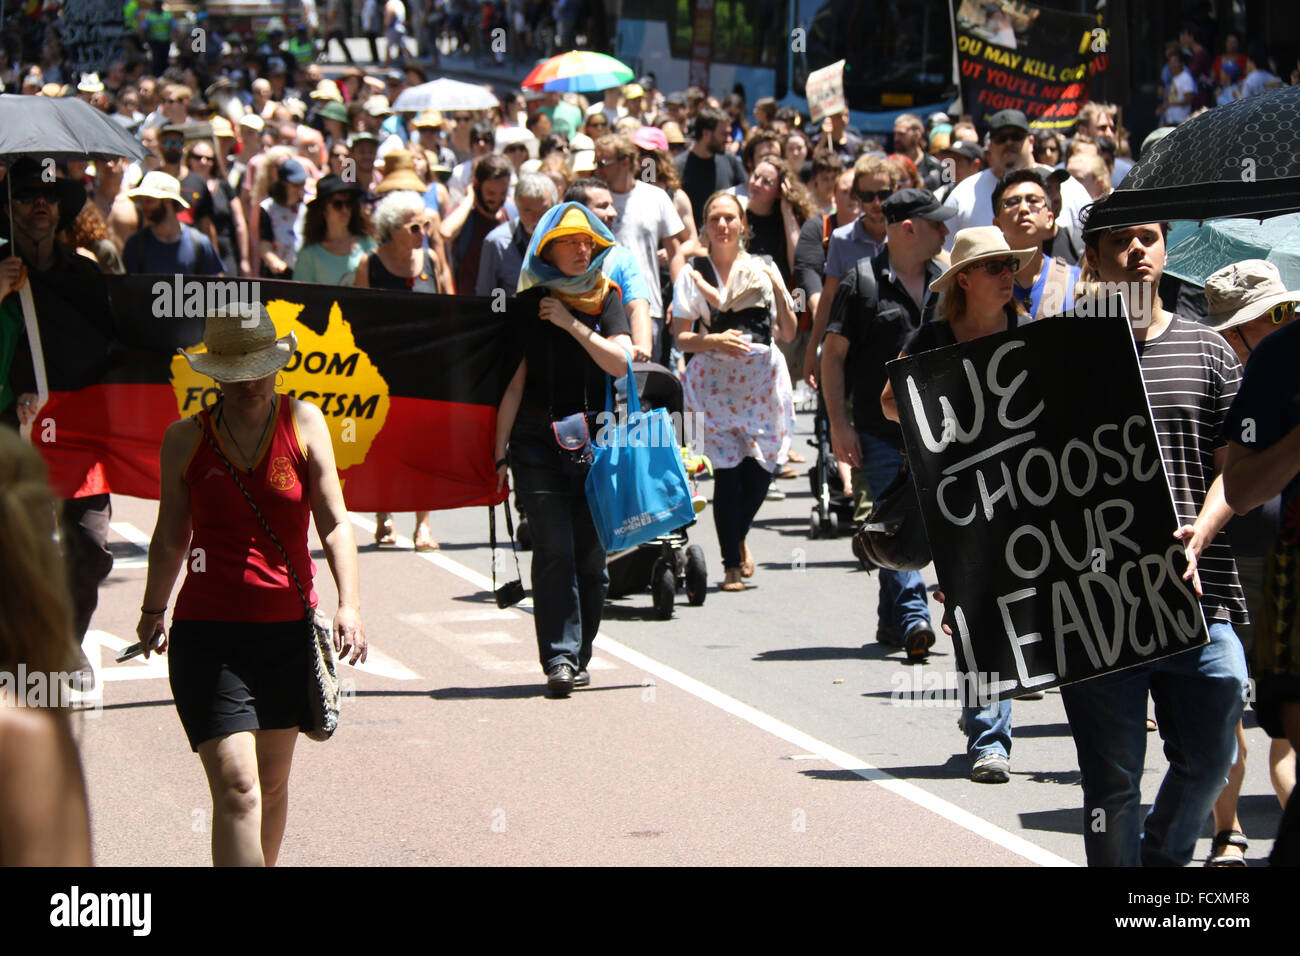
(762, 257)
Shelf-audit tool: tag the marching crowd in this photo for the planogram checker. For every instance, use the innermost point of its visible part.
(763, 258)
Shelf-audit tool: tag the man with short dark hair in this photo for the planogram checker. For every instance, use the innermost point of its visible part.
(909, 141)
(878, 306)
(468, 225)
(707, 167)
(1191, 377)
(1022, 210)
(503, 249)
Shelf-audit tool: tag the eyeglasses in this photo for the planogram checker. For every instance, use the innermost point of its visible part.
(602, 163)
(172, 100)
(879, 195)
(516, 148)
(1014, 136)
(195, 158)
(597, 123)
(1031, 203)
(340, 204)
(172, 141)
(415, 228)
(578, 242)
(995, 267)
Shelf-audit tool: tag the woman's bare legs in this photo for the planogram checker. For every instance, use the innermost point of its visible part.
(274, 759)
(231, 765)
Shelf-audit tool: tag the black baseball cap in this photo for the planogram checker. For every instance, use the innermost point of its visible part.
(915, 204)
(1005, 118)
(963, 148)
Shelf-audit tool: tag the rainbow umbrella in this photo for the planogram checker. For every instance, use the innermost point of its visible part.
(579, 71)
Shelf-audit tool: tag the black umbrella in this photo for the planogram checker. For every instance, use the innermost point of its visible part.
(1241, 160)
(60, 129)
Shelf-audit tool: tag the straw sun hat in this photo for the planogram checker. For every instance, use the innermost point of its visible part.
(975, 245)
(240, 345)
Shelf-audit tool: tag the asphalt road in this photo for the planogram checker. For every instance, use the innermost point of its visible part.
(761, 727)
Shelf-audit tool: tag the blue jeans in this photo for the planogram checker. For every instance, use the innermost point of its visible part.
(988, 729)
(1199, 697)
(902, 604)
(568, 567)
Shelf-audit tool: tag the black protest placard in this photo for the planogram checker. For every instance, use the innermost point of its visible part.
(1015, 55)
(92, 34)
(1046, 504)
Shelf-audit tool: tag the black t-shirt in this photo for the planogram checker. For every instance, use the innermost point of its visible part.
(767, 238)
(559, 368)
(194, 190)
(876, 336)
(810, 256)
(701, 178)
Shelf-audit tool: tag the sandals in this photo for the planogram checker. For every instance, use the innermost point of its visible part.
(733, 580)
(746, 561)
(424, 541)
(384, 533)
(1219, 852)
(795, 457)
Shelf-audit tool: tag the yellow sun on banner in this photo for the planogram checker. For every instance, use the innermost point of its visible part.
(327, 370)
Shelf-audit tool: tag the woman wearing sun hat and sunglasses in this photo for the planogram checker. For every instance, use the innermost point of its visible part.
(976, 298)
(238, 647)
(336, 234)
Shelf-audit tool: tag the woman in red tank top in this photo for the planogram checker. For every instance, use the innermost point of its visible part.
(238, 647)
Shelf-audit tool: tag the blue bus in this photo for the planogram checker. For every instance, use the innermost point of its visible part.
(899, 53)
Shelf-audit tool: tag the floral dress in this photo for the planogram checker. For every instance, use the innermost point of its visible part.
(746, 401)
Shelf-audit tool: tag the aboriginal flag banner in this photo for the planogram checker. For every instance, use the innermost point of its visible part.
(1018, 56)
(409, 383)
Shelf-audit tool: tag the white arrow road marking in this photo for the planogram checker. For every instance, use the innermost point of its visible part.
(136, 537)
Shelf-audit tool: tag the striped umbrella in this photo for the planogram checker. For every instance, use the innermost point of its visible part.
(579, 71)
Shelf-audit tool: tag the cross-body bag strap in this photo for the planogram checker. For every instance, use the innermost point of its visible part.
(492, 541)
(293, 575)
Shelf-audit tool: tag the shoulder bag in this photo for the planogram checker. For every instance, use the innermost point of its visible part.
(322, 675)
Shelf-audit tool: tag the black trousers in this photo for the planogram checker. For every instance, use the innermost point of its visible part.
(738, 493)
(84, 529)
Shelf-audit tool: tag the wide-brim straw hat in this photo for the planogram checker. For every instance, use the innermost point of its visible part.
(159, 185)
(1244, 291)
(977, 244)
(240, 345)
(399, 174)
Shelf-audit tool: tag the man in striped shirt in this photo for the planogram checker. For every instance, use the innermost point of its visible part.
(1191, 377)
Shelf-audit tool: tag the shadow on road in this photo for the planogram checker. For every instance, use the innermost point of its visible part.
(508, 691)
(955, 768)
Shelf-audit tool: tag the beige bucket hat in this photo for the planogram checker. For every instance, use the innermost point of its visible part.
(1244, 291)
(159, 185)
(240, 345)
(977, 244)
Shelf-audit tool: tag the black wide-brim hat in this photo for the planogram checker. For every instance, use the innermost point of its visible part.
(72, 195)
(332, 185)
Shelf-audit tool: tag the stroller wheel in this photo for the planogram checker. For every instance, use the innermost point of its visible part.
(697, 575)
(815, 524)
(834, 525)
(663, 588)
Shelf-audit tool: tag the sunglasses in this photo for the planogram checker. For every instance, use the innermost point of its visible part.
(579, 242)
(194, 158)
(516, 148)
(1003, 138)
(176, 99)
(1282, 312)
(602, 163)
(597, 123)
(340, 204)
(880, 195)
(30, 194)
(995, 267)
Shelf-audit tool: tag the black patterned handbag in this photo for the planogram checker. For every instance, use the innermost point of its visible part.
(322, 674)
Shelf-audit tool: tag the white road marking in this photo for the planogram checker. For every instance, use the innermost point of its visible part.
(383, 665)
(778, 728)
(136, 537)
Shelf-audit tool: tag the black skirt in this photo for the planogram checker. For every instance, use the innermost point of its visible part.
(232, 676)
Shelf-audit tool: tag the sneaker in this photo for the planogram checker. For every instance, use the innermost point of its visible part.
(774, 493)
(559, 680)
(919, 640)
(583, 679)
(993, 767)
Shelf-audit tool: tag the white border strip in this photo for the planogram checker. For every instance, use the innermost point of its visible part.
(778, 728)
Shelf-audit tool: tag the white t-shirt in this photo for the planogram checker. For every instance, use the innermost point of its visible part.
(1260, 81)
(1179, 86)
(646, 217)
(973, 200)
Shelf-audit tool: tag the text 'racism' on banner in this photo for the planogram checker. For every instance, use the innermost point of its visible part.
(408, 384)
(1014, 55)
(1046, 505)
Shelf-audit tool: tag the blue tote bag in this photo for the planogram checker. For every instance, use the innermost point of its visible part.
(637, 488)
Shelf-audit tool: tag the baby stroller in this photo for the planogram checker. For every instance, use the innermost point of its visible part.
(832, 515)
(669, 562)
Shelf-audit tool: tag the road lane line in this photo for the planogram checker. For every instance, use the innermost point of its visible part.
(778, 728)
